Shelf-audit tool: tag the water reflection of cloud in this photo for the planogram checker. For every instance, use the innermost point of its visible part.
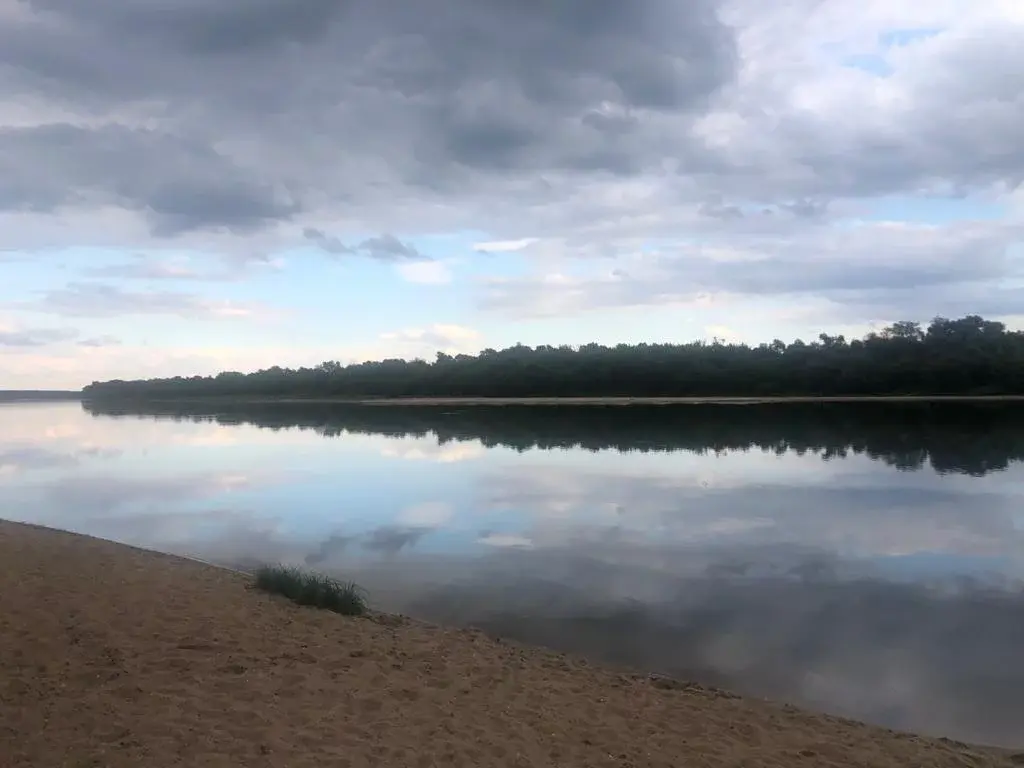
(428, 449)
(18, 459)
(429, 514)
(504, 540)
(564, 505)
(331, 547)
(185, 531)
(391, 539)
(75, 494)
(67, 425)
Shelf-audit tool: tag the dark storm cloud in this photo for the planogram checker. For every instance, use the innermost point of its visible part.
(653, 53)
(334, 99)
(178, 184)
(361, 104)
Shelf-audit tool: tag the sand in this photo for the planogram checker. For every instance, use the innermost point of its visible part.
(112, 656)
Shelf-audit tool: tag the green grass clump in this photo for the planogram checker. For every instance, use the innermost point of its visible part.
(309, 588)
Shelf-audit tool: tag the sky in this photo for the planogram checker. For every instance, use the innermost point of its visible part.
(188, 187)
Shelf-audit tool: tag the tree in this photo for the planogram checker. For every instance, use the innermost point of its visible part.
(970, 355)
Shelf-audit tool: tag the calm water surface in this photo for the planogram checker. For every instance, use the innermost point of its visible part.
(863, 560)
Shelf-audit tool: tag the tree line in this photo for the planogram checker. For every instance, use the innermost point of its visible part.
(966, 356)
(973, 439)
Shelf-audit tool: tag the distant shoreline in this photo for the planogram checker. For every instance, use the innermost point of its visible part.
(555, 401)
(42, 396)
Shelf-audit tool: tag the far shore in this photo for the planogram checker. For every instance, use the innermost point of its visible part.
(37, 396)
(116, 656)
(625, 400)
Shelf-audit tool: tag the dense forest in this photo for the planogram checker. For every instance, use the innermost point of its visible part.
(966, 356)
(972, 439)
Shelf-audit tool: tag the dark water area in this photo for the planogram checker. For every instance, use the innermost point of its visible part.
(862, 559)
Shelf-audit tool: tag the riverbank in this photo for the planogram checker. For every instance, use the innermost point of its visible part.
(112, 656)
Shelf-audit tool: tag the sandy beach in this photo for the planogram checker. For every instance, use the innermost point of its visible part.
(112, 656)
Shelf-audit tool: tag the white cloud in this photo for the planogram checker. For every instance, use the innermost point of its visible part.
(424, 272)
(425, 450)
(504, 246)
(100, 300)
(443, 337)
(71, 366)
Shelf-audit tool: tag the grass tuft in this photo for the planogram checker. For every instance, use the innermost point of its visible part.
(314, 589)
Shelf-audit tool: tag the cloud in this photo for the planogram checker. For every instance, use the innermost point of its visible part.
(142, 268)
(69, 367)
(177, 184)
(250, 115)
(388, 248)
(329, 243)
(504, 246)
(441, 337)
(100, 341)
(226, 266)
(98, 300)
(425, 272)
(35, 337)
(886, 264)
(384, 247)
(589, 132)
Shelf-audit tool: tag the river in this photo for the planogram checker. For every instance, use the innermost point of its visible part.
(866, 560)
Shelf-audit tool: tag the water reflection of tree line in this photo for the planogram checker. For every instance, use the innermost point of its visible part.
(973, 439)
